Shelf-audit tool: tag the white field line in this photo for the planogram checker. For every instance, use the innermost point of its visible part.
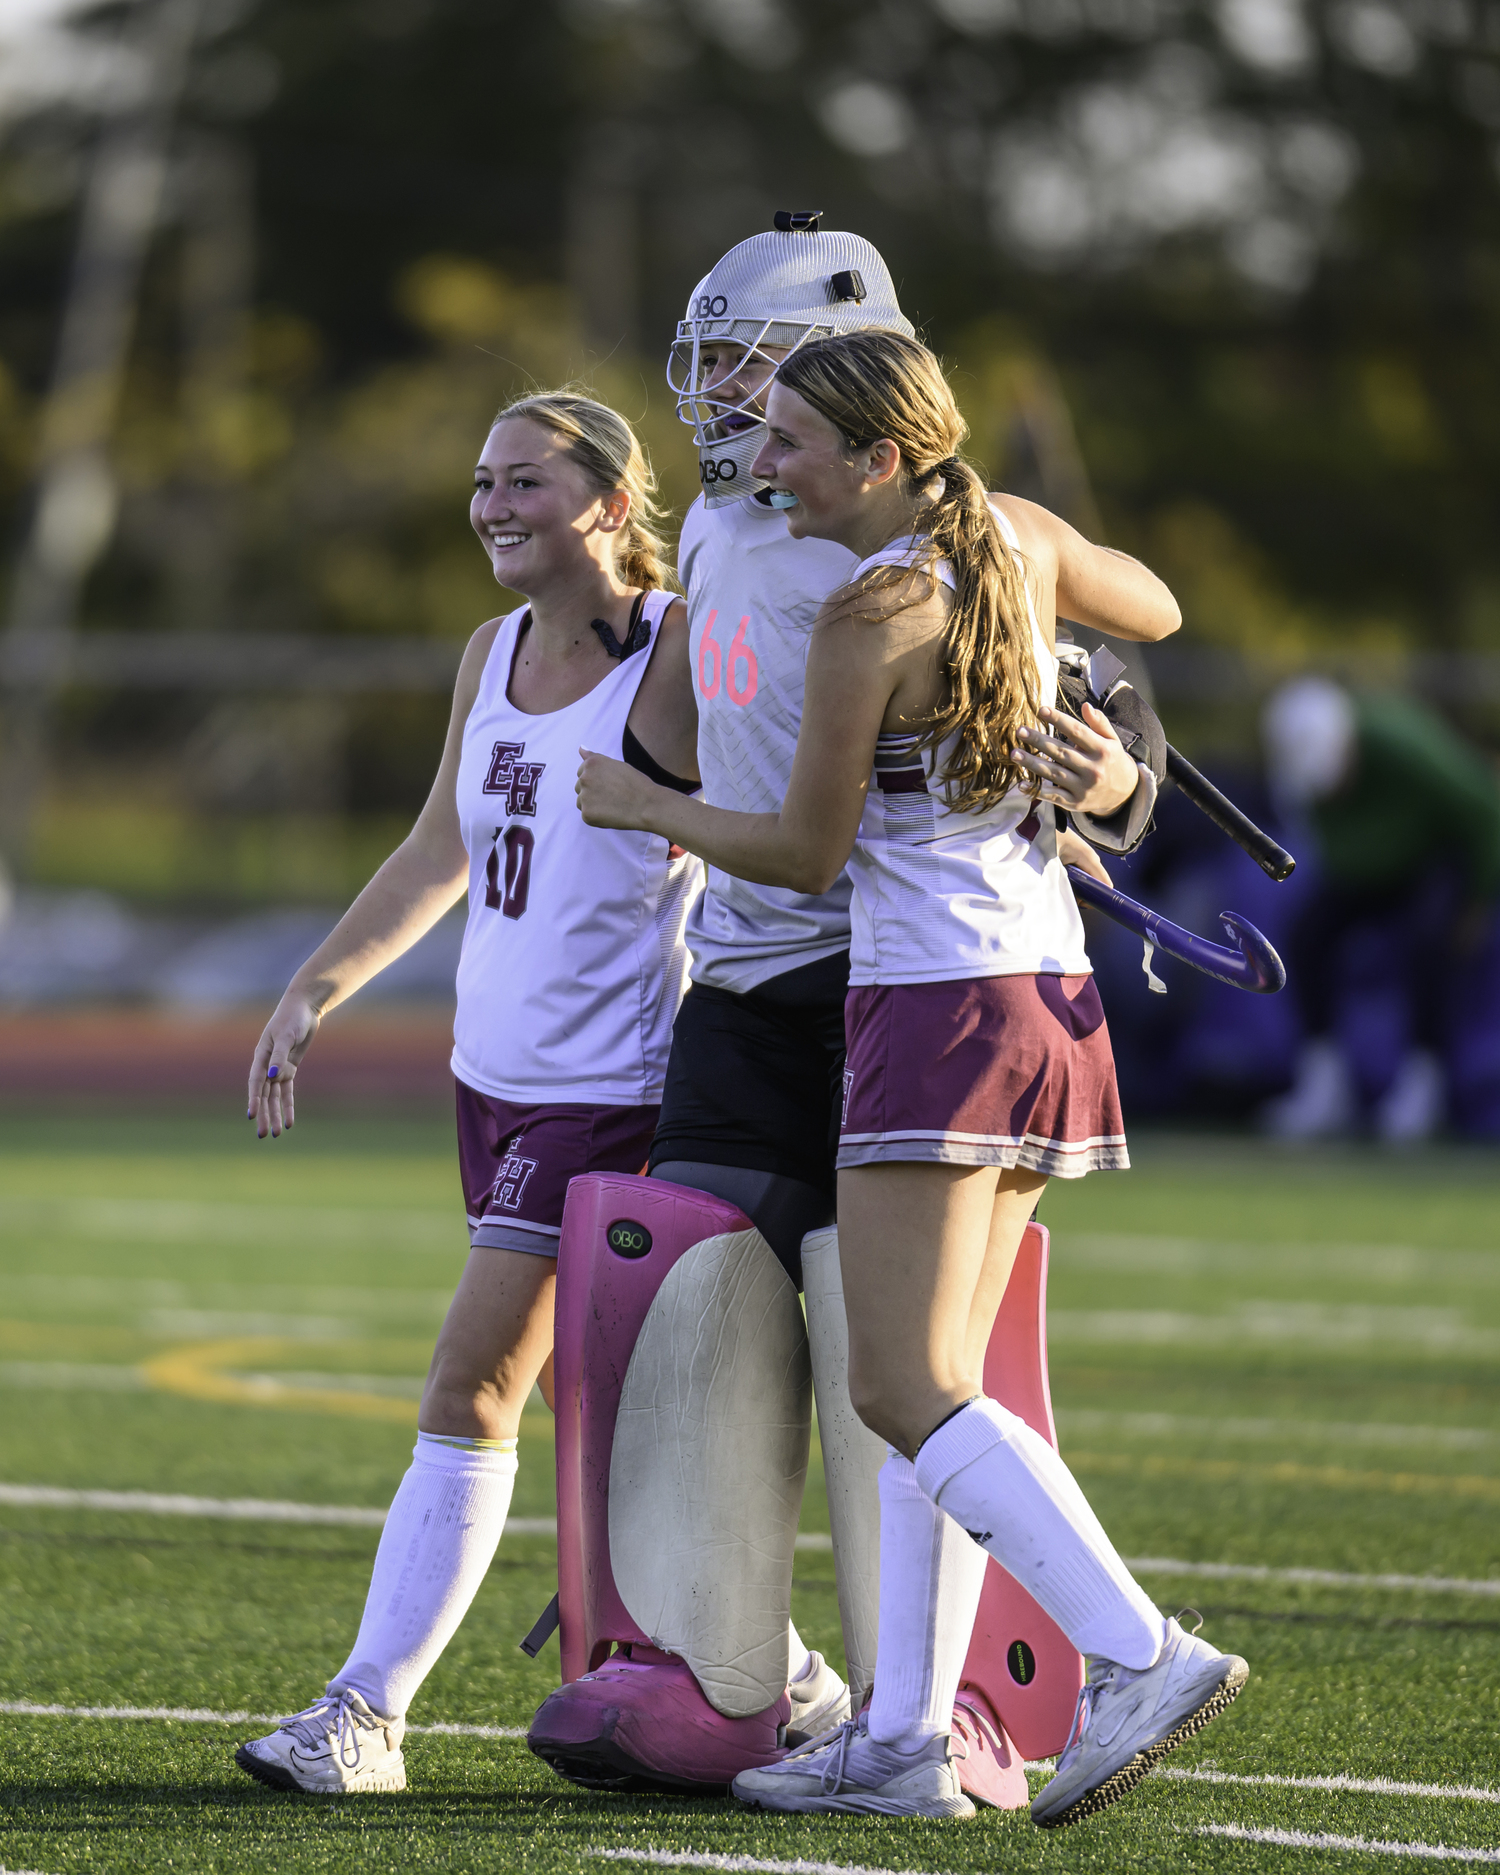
(1400, 1265)
(200, 1715)
(203, 1715)
(102, 1377)
(1310, 1839)
(1288, 1431)
(237, 1509)
(178, 1220)
(267, 1510)
(1268, 1323)
(1316, 1578)
(1364, 1786)
(702, 1858)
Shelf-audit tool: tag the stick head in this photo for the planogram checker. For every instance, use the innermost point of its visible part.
(1264, 973)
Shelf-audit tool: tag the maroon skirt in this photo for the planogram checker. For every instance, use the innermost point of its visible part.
(1008, 1071)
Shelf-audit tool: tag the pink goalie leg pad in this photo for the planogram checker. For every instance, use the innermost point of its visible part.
(1021, 1667)
(627, 1716)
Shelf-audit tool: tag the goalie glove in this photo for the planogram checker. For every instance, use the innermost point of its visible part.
(1097, 679)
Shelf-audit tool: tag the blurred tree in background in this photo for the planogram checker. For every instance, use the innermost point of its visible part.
(1221, 282)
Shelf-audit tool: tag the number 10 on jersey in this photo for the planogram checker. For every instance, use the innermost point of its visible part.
(734, 667)
(518, 843)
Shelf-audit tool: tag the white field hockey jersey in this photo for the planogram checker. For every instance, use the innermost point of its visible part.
(752, 595)
(573, 959)
(940, 895)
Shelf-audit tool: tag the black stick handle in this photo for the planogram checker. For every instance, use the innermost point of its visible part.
(1271, 858)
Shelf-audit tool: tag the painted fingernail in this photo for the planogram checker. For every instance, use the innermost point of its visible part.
(271, 1073)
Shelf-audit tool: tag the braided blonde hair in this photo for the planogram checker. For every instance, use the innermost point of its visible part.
(878, 385)
(609, 452)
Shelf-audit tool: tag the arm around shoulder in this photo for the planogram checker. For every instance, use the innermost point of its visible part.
(1099, 587)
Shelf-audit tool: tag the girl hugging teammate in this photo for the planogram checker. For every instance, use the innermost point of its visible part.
(979, 1062)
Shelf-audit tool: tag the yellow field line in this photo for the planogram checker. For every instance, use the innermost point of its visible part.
(197, 1373)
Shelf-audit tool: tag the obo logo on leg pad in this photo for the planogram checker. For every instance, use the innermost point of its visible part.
(627, 1238)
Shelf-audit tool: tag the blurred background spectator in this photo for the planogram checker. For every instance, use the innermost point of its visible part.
(1404, 826)
(1216, 277)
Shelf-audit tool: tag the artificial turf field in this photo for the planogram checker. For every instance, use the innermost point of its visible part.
(1260, 1358)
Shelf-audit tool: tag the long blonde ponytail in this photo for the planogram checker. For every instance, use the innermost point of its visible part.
(874, 385)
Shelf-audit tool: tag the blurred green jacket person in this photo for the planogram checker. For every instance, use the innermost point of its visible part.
(1413, 793)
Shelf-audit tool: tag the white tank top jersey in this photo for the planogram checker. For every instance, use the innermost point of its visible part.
(940, 895)
(752, 595)
(574, 959)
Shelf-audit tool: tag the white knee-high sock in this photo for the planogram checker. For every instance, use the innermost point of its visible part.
(439, 1539)
(1013, 1494)
(931, 1575)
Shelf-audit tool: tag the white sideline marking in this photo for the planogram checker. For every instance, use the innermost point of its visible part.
(203, 1715)
(1369, 1786)
(200, 1715)
(1308, 1839)
(269, 1510)
(244, 1509)
(1371, 1432)
(1266, 1323)
(1318, 1578)
(673, 1858)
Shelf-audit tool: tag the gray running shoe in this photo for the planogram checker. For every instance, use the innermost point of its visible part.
(1128, 1721)
(819, 1703)
(847, 1773)
(336, 1746)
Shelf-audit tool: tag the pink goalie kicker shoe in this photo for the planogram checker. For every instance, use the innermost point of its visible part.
(639, 1721)
(990, 1769)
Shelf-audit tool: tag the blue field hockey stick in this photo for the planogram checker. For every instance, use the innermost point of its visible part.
(1253, 965)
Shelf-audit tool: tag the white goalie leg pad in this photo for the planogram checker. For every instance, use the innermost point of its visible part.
(708, 1468)
(852, 1458)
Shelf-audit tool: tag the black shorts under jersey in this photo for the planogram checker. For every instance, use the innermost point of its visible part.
(757, 1080)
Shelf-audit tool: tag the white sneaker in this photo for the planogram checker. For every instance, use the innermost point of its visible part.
(337, 1745)
(820, 1701)
(1321, 1103)
(849, 1774)
(1411, 1108)
(1128, 1721)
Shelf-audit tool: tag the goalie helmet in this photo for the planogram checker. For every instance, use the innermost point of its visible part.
(778, 289)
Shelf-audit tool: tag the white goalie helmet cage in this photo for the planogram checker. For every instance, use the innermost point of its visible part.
(776, 289)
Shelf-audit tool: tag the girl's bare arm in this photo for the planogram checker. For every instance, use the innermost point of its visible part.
(1094, 586)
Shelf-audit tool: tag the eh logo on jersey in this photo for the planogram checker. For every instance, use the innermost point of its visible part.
(736, 668)
(1022, 1663)
(627, 1238)
(515, 779)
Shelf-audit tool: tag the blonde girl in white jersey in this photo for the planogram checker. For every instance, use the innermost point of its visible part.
(979, 1061)
(572, 969)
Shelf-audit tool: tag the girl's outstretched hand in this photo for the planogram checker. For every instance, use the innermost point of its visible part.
(613, 794)
(284, 1041)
